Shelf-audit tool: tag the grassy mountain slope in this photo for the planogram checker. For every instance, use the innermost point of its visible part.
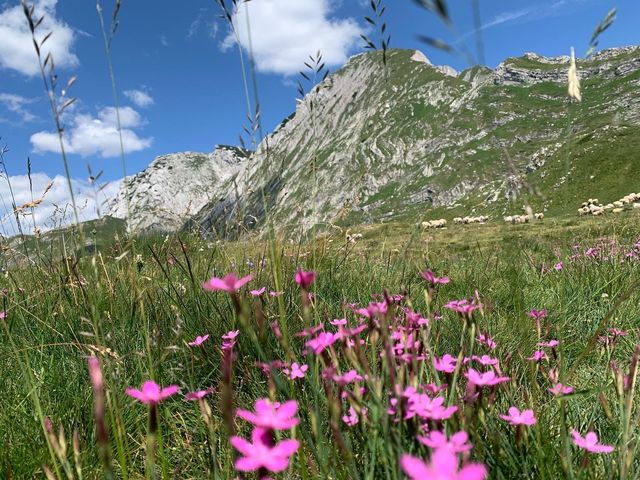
(412, 142)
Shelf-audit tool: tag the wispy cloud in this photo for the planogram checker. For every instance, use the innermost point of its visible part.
(200, 22)
(506, 17)
(17, 105)
(542, 10)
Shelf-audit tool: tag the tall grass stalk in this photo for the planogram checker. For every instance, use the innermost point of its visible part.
(50, 83)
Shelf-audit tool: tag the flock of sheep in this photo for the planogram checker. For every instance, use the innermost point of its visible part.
(523, 218)
(441, 223)
(467, 220)
(595, 208)
(590, 207)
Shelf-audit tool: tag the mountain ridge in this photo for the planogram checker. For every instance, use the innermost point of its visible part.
(370, 144)
(173, 187)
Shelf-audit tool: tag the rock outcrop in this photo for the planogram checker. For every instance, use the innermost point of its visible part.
(533, 68)
(174, 187)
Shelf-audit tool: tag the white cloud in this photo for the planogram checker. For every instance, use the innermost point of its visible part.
(56, 209)
(284, 33)
(17, 104)
(16, 48)
(88, 135)
(139, 98)
(129, 118)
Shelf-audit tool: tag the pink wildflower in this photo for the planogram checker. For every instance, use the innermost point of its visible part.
(486, 340)
(487, 379)
(352, 418)
(443, 466)
(269, 366)
(257, 293)
(310, 331)
(353, 331)
(323, 341)
(231, 335)
(538, 356)
(296, 371)
(458, 443)
(3, 315)
(616, 332)
(95, 374)
(549, 344)
(275, 327)
(373, 310)
(560, 389)
(275, 294)
(414, 318)
(435, 389)
(558, 266)
(198, 341)
(198, 395)
(538, 314)
(446, 364)
(429, 276)
(151, 393)
(261, 455)
(272, 416)
(229, 339)
(590, 443)
(305, 279)
(347, 378)
(339, 322)
(230, 283)
(397, 298)
(423, 406)
(515, 417)
(485, 360)
(463, 307)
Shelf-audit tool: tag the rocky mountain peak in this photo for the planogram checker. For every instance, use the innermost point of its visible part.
(173, 187)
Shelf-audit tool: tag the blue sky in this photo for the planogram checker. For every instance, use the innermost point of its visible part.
(178, 76)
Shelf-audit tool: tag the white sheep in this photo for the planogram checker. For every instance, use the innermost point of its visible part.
(441, 223)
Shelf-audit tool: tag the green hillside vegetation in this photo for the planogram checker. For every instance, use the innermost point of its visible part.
(488, 149)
